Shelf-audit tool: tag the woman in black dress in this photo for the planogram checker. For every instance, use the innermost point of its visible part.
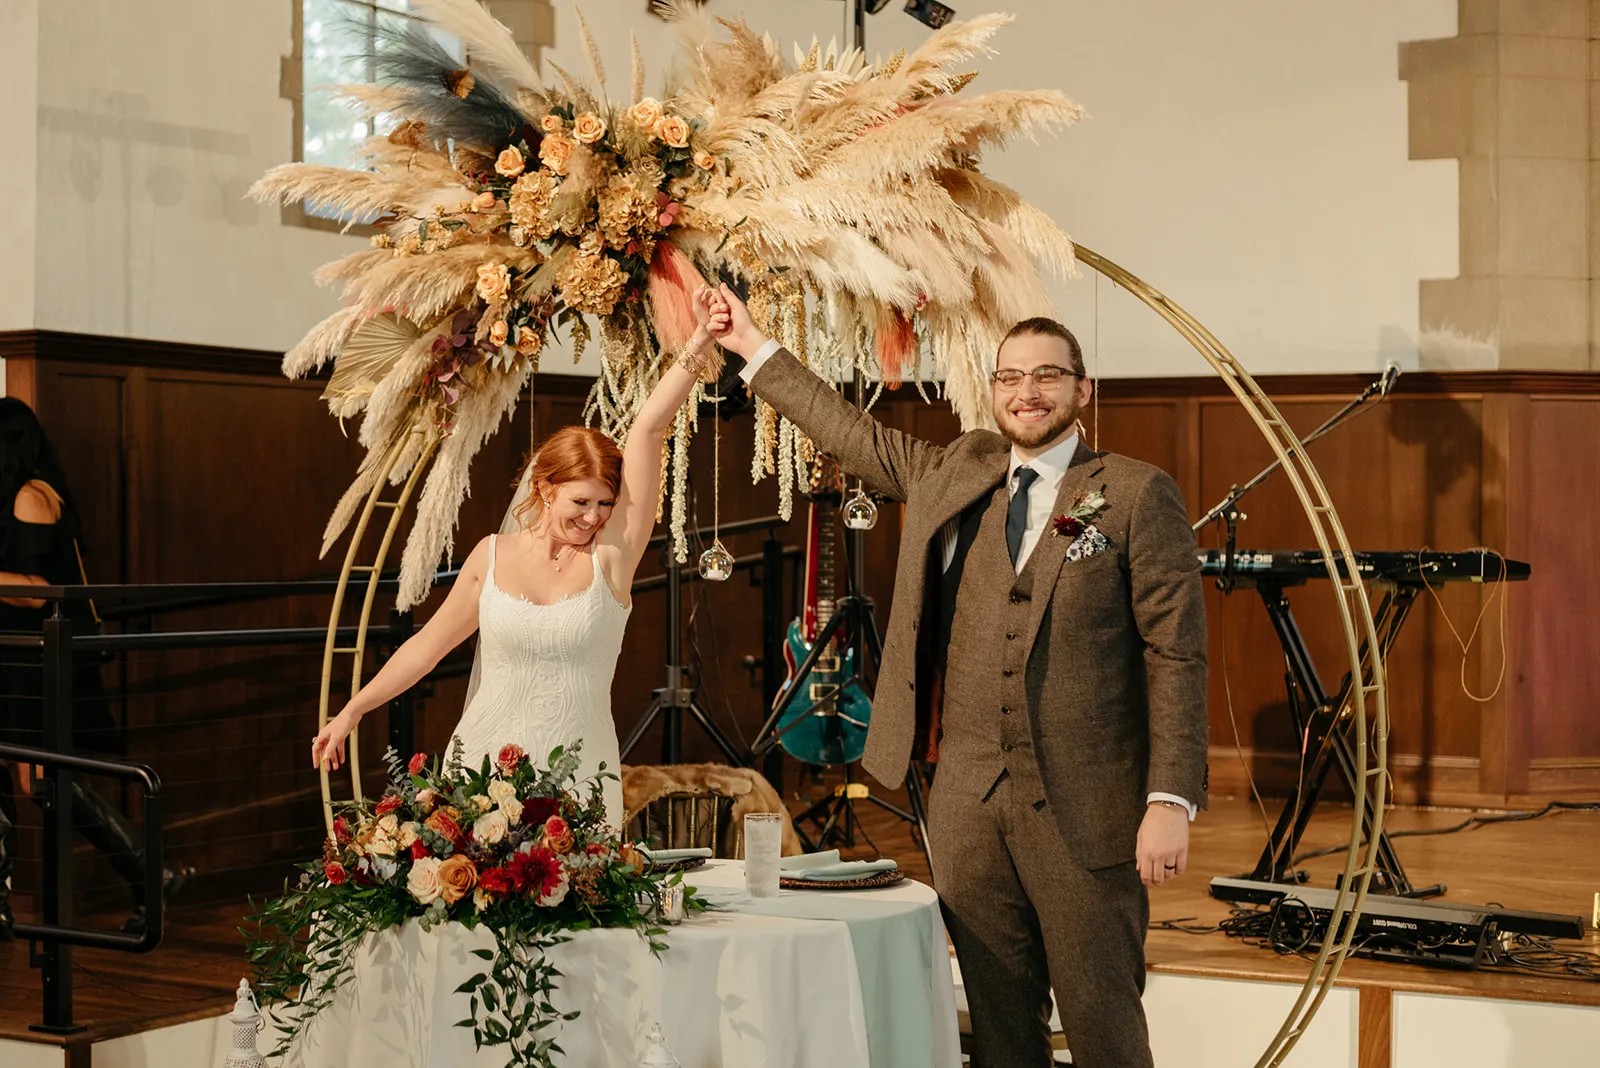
(39, 527)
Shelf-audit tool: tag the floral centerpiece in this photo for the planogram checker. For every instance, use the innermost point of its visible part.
(845, 194)
(521, 851)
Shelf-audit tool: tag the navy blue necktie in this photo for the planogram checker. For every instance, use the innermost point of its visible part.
(1017, 512)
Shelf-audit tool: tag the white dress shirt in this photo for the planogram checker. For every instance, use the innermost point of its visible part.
(1051, 466)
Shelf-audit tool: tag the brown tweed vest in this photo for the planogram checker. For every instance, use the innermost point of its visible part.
(986, 610)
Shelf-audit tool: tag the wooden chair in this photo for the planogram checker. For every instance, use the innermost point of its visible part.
(681, 806)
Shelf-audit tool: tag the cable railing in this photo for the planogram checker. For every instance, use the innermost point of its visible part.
(56, 760)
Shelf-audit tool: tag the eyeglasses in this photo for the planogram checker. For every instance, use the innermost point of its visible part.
(1046, 377)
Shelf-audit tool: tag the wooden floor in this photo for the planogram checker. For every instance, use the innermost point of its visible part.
(1549, 864)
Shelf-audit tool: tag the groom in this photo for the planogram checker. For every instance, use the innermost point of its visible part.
(1047, 644)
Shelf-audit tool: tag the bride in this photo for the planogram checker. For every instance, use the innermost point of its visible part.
(550, 600)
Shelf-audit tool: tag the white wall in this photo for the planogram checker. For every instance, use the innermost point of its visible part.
(153, 121)
(19, 124)
(1247, 157)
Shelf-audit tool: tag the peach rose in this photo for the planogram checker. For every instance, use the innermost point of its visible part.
(494, 282)
(510, 163)
(704, 160)
(528, 341)
(499, 331)
(554, 152)
(588, 128)
(427, 797)
(646, 113)
(457, 877)
(674, 131)
(551, 124)
(423, 882)
(484, 201)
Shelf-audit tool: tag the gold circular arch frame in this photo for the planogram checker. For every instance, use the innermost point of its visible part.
(1366, 706)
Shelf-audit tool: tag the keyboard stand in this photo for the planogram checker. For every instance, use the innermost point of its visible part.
(1326, 727)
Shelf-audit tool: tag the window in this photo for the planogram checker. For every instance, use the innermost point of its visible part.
(334, 42)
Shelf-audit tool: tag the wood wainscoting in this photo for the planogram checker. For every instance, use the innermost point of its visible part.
(1509, 461)
(197, 464)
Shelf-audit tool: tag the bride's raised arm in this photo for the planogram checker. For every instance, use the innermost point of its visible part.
(635, 514)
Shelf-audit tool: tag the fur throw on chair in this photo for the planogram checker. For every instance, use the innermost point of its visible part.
(747, 788)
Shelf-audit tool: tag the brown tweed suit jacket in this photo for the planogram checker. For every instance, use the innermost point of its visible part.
(1116, 676)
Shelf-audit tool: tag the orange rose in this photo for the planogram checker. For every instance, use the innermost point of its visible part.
(674, 131)
(443, 823)
(588, 128)
(704, 160)
(499, 331)
(554, 152)
(646, 113)
(557, 835)
(457, 877)
(484, 201)
(510, 163)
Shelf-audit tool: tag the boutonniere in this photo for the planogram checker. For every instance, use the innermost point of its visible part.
(1080, 515)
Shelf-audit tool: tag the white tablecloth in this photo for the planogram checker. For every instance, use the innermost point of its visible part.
(832, 980)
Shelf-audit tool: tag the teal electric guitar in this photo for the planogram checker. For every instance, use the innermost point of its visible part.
(824, 720)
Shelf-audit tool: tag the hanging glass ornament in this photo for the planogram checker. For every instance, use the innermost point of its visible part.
(716, 563)
(860, 511)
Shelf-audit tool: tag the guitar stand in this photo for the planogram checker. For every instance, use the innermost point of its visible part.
(835, 816)
(674, 699)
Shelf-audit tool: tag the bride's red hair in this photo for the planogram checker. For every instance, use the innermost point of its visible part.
(569, 455)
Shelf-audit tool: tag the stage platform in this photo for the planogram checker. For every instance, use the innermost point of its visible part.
(1384, 1015)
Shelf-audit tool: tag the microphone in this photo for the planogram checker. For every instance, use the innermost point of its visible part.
(1391, 371)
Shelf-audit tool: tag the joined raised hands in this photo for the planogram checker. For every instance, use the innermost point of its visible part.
(726, 318)
(711, 312)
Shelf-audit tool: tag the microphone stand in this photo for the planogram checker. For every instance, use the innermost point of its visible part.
(1227, 509)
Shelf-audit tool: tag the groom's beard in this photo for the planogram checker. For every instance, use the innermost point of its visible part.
(1031, 435)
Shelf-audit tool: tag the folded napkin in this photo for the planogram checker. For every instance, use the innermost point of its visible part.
(850, 869)
(670, 856)
(808, 860)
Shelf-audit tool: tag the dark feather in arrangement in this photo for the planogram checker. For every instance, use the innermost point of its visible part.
(458, 106)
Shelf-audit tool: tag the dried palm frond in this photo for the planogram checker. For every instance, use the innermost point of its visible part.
(844, 192)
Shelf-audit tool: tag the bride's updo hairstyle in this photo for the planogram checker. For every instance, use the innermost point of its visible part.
(569, 455)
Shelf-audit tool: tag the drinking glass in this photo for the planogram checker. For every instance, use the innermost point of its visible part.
(763, 841)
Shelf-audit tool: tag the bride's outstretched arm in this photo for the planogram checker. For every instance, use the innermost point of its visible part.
(635, 514)
(452, 624)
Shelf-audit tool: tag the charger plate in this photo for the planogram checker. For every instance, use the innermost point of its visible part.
(877, 880)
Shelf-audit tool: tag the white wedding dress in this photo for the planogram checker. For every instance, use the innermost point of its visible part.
(544, 677)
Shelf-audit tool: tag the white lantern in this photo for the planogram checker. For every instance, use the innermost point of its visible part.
(246, 1020)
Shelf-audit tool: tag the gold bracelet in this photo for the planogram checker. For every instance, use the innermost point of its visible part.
(704, 365)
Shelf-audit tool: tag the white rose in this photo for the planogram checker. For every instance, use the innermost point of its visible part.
(389, 825)
(423, 882)
(490, 829)
(505, 795)
(409, 832)
(381, 845)
(481, 803)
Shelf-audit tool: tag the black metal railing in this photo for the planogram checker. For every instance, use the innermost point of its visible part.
(53, 938)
